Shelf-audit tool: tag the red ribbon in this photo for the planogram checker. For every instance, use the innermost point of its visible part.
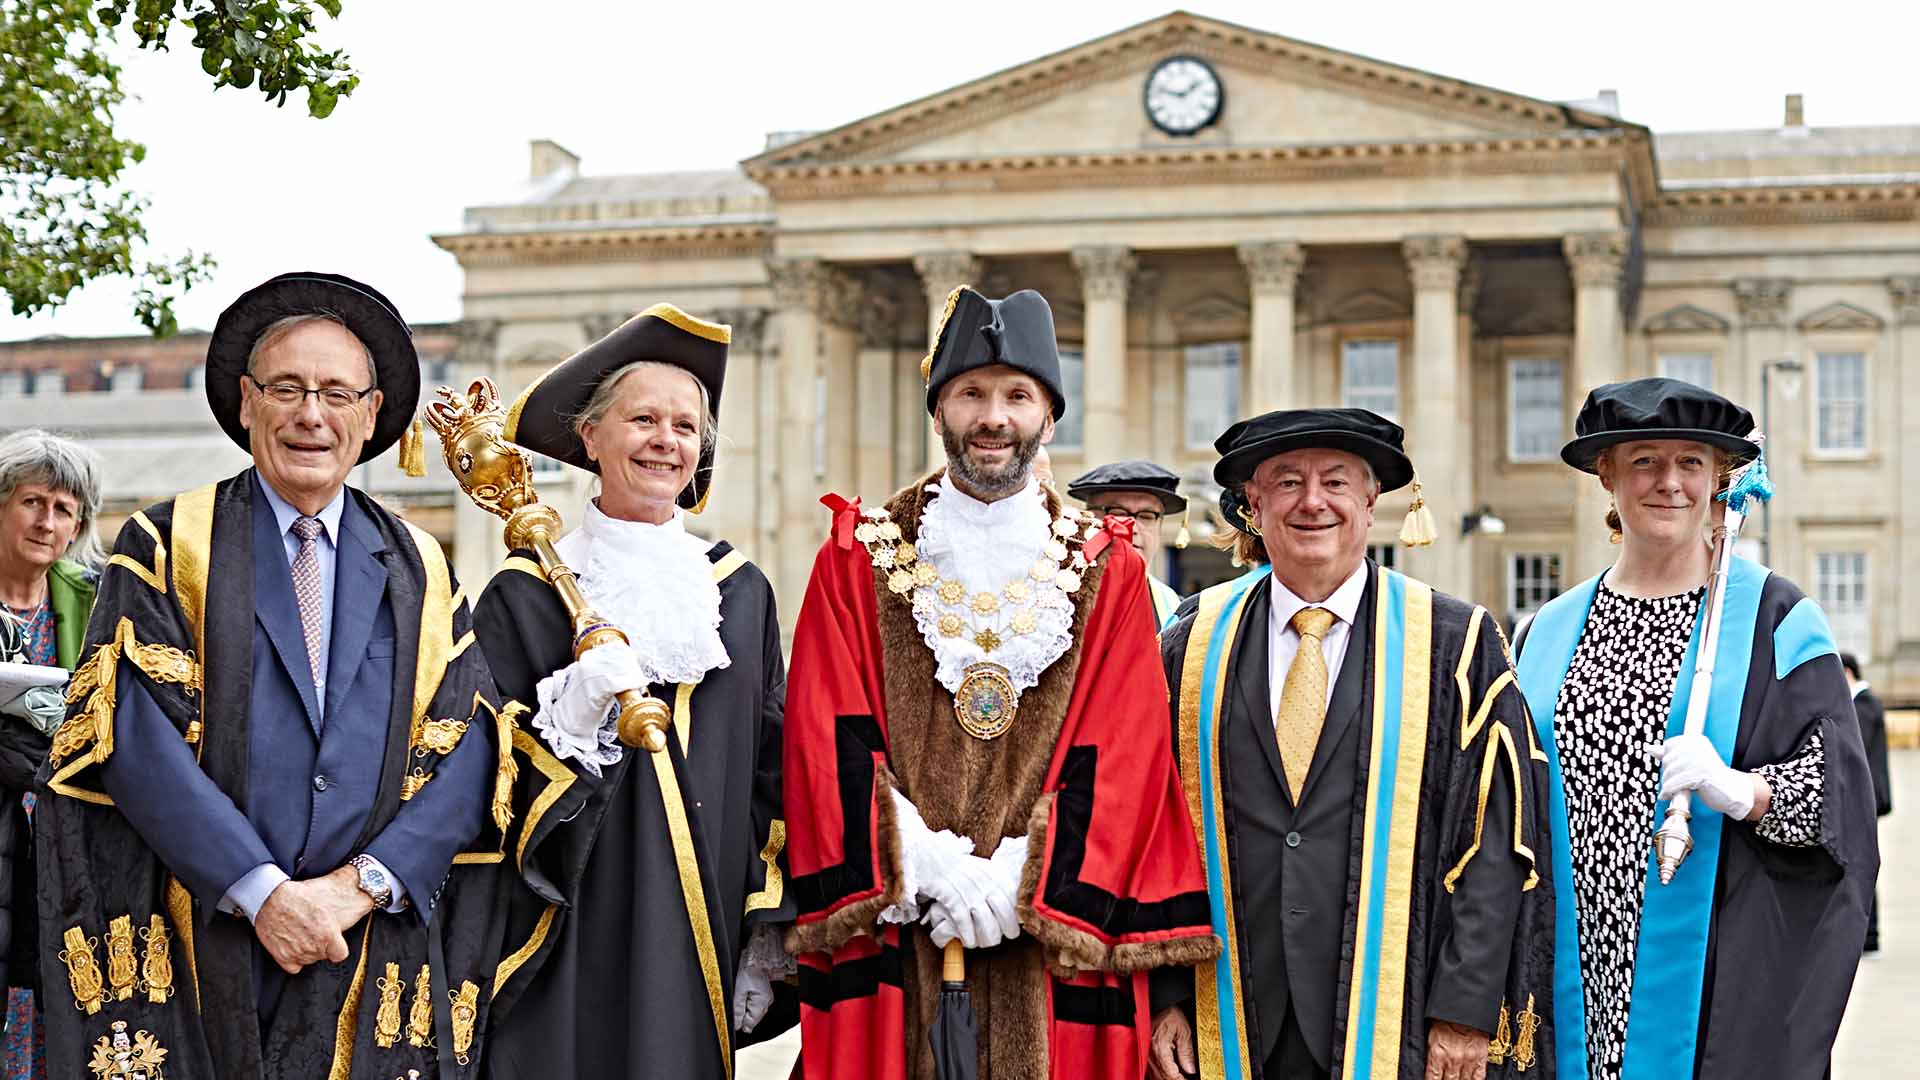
(846, 515)
(1112, 527)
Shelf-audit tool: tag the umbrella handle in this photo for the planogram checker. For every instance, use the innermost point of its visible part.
(953, 962)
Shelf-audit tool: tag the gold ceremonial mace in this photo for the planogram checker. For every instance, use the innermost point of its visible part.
(498, 477)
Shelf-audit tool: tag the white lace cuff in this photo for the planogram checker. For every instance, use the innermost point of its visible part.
(573, 726)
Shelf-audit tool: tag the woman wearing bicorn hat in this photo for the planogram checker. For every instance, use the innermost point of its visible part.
(1742, 965)
(614, 977)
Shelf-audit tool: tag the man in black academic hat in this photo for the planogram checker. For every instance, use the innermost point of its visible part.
(972, 671)
(1148, 495)
(279, 739)
(1362, 775)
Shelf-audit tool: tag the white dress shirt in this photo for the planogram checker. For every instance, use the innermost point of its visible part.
(1283, 641)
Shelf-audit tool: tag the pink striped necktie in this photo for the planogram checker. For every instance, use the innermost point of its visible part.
(306, 588)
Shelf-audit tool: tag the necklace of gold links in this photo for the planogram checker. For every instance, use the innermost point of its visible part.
(989, 619)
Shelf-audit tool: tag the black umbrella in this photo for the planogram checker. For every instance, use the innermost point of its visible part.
(955, 1034)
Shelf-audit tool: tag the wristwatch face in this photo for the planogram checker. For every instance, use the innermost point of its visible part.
(374, 884)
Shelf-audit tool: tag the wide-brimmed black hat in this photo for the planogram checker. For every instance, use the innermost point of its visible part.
(977, 332)
(1141, 476)
(1376, 439)
(542, 418)
(370, 316)
(1642, 409)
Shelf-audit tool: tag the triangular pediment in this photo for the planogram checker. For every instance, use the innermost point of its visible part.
(1367, 305)
(1211, 308)
(1840, 316)
(1090, 99)
(1687, 319)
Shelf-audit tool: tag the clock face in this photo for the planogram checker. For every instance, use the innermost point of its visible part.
(1183, 95)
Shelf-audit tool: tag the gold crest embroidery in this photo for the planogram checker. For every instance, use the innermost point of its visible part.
(83, 971)
(156, 971)
(118, 1057)
(466, 1011)
(439, 736)
(386, 1022)
(121, 967)
(420, 1017)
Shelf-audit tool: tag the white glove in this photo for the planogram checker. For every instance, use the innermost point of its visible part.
(971, 903)
(1692, 764)
(752, 994)
(574, 701)
(1009, 862)
(763, 960)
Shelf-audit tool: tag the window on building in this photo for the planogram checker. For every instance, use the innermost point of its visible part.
(50, 382)
(1370, 376)
(1689, 367)
(13, 384)
(1213, 391)
(1840, 587)
(546, 466)
(127, 379)
(1536, 423)
(1386, 555)
(1069, 432)
(1840, 402)
(1533, 578)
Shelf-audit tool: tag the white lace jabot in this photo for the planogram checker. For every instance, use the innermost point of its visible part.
(985, 547)
(654, 582)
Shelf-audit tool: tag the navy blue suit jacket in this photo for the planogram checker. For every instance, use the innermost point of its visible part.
(313, 767)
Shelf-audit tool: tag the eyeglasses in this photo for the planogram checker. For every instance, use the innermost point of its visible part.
(1144, 517)
(295, 395)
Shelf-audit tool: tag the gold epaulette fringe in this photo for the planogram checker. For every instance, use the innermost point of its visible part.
(95, 683)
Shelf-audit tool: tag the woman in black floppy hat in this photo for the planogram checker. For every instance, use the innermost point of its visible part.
(1742, 964)
(606, 936)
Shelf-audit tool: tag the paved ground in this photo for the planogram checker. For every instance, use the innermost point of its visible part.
(1880, 1038)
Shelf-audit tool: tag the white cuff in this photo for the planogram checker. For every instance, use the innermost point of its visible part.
(250, 893)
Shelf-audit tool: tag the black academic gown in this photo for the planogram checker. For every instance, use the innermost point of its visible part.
(604, 975)
(1295, 869)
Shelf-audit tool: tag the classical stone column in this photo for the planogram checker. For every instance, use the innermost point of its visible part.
(1598, 357)
(1105, 274)
(1431, 403)
(1273, 272)
(800, 288)
(873, 392)
(1905, 292)
(742, 495)
(1763, 305)
(940, 273)
(840, 344)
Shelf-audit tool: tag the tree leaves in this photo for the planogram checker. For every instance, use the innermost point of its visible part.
(60, 159)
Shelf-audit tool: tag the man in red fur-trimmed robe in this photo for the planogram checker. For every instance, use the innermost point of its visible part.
(972, 752)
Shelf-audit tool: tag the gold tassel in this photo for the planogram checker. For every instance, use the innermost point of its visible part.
(420, 1017)
(1418, 530)
(122, 969)
(1184, 538)
(156, 974)
(413, 452)
(465, 1011)
(508, 770)
(386, 1022)
(1502, 1042)
(1523, 1057)
(83, 971)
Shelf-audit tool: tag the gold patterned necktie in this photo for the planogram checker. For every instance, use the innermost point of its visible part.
(1303, 698)
(306, 588)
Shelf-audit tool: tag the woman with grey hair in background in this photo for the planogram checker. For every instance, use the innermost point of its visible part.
(49, 564)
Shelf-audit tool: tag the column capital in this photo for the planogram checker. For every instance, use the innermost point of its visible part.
(1762, 301)
(1596, 257)
(475, 341)
(1905, 292)
(879, 321)
(748, 324)
(1434, 262)
(799, 282)
(840, 301)
(1272, 265)
(941, 271)
(1104, 271)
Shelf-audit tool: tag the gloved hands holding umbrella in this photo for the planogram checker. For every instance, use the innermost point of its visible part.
(969, 898)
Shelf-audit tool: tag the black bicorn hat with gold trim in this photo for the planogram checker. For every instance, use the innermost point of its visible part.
(370, 316)
(544, 417)
(976, 332)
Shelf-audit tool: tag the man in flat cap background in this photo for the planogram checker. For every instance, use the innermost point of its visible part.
(1147, 494)
(279, 738)
(1367, 790)
(972, 671)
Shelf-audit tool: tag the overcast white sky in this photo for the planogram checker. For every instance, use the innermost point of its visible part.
(452, 91)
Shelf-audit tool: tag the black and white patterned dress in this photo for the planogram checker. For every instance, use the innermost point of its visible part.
(1613, 704)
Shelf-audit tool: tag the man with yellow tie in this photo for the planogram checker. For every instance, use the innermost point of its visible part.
(1365, 788)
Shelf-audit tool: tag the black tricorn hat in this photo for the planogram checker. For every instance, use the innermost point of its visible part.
(1376, 439)
(977, 332)
(1643, 409)
(542, 418)
(370, 316)
(1141, 476)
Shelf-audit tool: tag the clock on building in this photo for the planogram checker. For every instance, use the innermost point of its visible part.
(1183, 95)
